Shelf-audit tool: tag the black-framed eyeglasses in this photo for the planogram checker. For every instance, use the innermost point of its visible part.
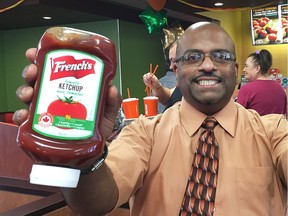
(196, 57)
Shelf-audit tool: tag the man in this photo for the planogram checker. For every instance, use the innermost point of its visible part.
(165, 88)
(150, 161)
(169, 80)
(167, 97)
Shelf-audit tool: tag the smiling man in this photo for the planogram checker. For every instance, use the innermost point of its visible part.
(237, 167)
(207, 71)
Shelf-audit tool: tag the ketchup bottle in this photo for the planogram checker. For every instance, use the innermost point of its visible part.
(62, 132)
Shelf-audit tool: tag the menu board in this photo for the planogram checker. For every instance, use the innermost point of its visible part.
(269, 25)
(284, 22)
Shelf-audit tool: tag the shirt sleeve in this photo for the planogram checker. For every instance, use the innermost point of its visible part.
(133, 147)
(279, 142)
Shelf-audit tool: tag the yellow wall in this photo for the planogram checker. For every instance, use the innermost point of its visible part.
(237, 24)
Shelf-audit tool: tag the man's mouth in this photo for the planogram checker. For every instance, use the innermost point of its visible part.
(207, 82)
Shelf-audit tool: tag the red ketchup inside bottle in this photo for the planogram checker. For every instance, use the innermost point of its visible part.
(62, 133)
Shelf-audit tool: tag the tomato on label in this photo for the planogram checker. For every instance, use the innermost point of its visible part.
(262, 23)
(256, 26)
(262, 33)
(273, 31)
(284, 24)
(255, 22)
(268, 29)
(272, 37)
(67, 108)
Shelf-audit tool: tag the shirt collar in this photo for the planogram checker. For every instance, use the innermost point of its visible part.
(227, 117)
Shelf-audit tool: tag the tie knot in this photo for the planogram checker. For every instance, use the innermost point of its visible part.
(209, 123)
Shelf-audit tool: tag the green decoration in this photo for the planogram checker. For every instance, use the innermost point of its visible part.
(154, 20)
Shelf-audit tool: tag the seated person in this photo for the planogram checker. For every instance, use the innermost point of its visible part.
(169, 80)
(167, 97)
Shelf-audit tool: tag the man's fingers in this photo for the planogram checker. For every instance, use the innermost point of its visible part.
(24, 93)
(30, 54)
(29, 74)
(20, 116)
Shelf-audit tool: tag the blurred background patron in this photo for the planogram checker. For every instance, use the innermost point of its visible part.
(262, 94)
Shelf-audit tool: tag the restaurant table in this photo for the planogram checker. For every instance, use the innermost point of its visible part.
(15, 167)
(19, 197)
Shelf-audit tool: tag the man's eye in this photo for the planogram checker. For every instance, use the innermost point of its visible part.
(193, 57)
(221, 56)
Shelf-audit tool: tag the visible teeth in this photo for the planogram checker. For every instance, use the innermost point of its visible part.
(207, 82)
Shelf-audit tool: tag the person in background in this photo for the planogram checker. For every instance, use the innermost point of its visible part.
(169, 80)
(262, 94)
(151, 160)
(165, 90)
(167, 97)
(164, 87)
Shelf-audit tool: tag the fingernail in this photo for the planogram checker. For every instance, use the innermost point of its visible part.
(25, 71)
(18, 91)
(17, 115)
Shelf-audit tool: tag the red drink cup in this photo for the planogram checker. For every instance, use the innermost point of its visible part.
(150, 105)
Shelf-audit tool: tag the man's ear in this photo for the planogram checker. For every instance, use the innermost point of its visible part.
(175, 70)
(236, 71)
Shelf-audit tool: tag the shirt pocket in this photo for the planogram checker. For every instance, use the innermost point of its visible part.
(255, 190)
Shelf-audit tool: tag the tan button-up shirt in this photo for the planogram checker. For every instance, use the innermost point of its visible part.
(151, 161)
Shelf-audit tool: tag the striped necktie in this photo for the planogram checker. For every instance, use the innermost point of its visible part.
(199, 197)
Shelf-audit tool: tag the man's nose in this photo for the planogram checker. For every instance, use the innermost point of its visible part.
(207, 63)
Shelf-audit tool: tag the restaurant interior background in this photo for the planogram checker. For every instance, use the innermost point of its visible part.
(22, 26)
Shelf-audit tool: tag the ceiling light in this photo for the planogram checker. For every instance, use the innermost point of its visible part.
(218, 4)
(47, 17)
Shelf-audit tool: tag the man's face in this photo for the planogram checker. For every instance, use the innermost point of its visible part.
(251, 71)
(207, 85)
(172, 56)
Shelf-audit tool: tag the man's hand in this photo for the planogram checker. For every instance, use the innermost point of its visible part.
(151, 81)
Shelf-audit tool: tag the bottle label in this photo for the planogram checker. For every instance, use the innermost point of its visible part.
(68, 95)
